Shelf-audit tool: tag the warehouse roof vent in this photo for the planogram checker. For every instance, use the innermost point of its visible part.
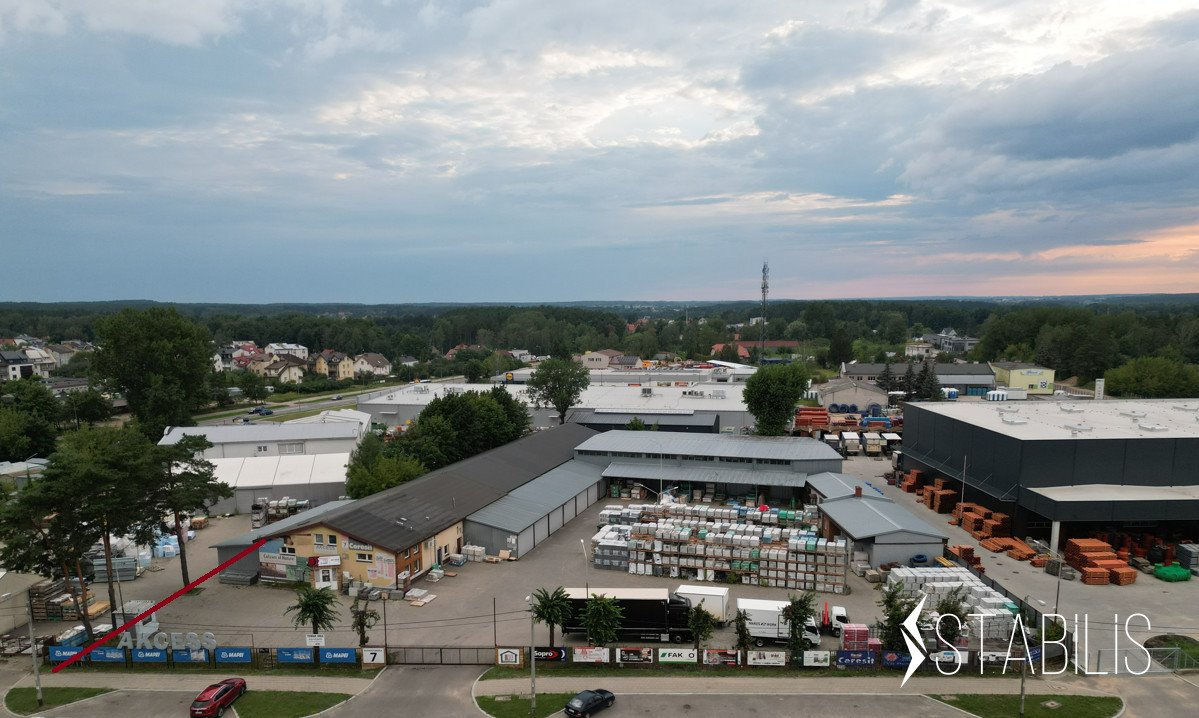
(1185, 407)
(1075, 429)
(1133, 414)
(1012, 419)
(1149, 426)
(1005, 409)
(1070, 408)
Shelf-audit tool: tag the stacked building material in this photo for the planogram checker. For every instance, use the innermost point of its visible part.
(855, 637)
(41, 594)
(1123, 576)
(966, 553)
(474, 553)
(1095, 576)
(912, 481)
(1188, 557)
(995, 611)
(610, 548)
(124, 568)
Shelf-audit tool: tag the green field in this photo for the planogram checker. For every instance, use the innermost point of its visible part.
(23, 701)
(991, 706)
(285, 704)
(514, 707)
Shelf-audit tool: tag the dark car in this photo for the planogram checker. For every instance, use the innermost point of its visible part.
(588, 702)
(256, 410)
(214, 699)
(265, 412)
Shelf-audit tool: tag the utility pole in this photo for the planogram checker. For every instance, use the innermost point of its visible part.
(765, 291)
(37, 658)
(532, 660)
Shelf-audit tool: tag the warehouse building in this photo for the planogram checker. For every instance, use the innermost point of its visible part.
(316, 478)
(885, 531)
(1018, 375)
(849, 396)
(829, 485)
(714, 372)
(687, 423)
(14, 598)
(1065, 469)
(401, 405)
(970, 379)
(248, 440)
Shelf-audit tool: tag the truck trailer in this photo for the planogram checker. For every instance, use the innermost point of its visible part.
(715, 600)
(650, 614)
(767, 624)
(874, 443)
(851, 442)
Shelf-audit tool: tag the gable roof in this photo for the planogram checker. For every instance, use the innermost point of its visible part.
(376, 360)
(873, 516)
(402, 516)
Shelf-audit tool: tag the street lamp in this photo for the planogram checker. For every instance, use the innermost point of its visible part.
(532, 660)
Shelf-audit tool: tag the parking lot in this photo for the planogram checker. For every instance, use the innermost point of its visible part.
(121, 704)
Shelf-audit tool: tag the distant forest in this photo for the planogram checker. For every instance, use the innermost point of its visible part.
(1079, 337)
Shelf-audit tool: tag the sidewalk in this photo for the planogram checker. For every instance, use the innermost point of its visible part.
(194, 682)
(779, 686)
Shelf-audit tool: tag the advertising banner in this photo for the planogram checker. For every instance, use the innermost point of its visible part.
(678, 655)
(339, 655)
(106, 654)
(766, 658)
(509, 656)
(635, 655)
(62, 653)
(949, 656)
(233, 655)
(149, 655)
(293, 655)
(856, 659)
(895, 659)
(550, 654)
(819, 659)
(189, 656)
(718, 657)
(591, 654)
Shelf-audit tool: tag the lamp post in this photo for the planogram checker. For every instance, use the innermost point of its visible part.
(532, 658)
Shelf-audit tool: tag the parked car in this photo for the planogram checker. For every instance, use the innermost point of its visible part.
(214, 699)
(838, 617)
(256, 410)
(337, 397)
(265, 412)
(588, 702)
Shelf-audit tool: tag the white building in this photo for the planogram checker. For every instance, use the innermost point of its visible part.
(338, 416)
(372, 363)
(299, 351)
(317, 478)
(247, 440)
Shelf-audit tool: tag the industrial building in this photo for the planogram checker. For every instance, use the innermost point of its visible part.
(402, 405)
(713, 372)
(850, 396)
(336, 416)
(885, 531)
(602, 420)
(1032, 378)
(1064, 469)
(249, 440)
(316, 478)
(970, 379)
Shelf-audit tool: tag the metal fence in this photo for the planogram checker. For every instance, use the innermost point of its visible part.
(1132, 660)
(442, 655)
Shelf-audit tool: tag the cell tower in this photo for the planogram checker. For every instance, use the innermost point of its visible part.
(765, 292)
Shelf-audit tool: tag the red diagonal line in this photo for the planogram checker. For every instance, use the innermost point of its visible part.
(256, 545)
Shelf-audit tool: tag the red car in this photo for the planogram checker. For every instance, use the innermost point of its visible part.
(214, 699)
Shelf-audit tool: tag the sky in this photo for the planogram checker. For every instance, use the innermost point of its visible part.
(388, 152)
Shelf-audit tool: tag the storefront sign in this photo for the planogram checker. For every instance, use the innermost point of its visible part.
(550, 654)
(324, 548)
(767, 658)
(894, 659)
(293, 655)
(339, 655)
(149, 655)
(591, 654)
(856, 659)
(314, 639)
(188, 656)
(635, 655)
(510, 656)
(62, 653)
(677, 655)
(280, 559)
(717, 657)
(104, 654)
(373, 656)
(233, 655)
(817, 658)
(328, 560)
(360, 546)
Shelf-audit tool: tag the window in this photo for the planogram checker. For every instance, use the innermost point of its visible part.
(406, 552)
(332, 539)
(318, 539)
(416, 567)
(287, 549)
(292, 448)
(260, 449)
(363, 557)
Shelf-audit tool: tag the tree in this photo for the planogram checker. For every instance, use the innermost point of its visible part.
(253, 386)
(797, 612)
(771, 395)
(602, 618)
(951, 604)
(701, 622)
(927, 385)
(387, 472)
(475, 372)
(636, 424)
(1153, 378)
(190, 484)
(315, 607)
(362, 619)
(558, 383)
(551, 608)
(23, 436)
(895, 608)
(909, 381)
(431, 441)
(88, 406)
(840, 348)
(741, 626)
(516, 411)
(886, 378)
(728, 353)
(159, 360)
(32, 397)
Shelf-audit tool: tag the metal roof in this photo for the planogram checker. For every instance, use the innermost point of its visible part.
(278, 527)
(835, 486)
(610, 418)
(291, 470)
(871, 517)
(939, 368)
(699, 474)
(725, 397)
(1081, 420)
(248, 433)
(782, 448)
(526, 504)
(1118, 492)
(404, 515)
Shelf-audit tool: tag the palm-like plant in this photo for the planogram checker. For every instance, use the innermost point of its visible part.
(316, 607)
(551, 608)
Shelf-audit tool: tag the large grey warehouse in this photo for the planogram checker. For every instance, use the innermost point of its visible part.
(1064, 469)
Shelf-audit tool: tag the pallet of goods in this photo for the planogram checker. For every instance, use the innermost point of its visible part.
(855, 637)
(1095, 576)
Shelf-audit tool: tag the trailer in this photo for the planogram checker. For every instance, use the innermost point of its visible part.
(891, 442)
(833, 439)
(767, 624)
(715, 600)
(650, 614)
(873, 443)
(851, 442)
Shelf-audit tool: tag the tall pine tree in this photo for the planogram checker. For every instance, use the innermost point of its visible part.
(886, 378)
(909, 382)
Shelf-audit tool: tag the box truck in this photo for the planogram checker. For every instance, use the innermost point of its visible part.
(715, 600)
(874, 443)
(650, 614)
(851, 442)
(767, 625)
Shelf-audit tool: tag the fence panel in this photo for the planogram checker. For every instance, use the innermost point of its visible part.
(442, 655)
(1132, 660)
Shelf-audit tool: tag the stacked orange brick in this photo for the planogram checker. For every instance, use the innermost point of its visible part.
(1098, 563)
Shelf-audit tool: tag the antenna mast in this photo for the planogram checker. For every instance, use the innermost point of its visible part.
(765, 292)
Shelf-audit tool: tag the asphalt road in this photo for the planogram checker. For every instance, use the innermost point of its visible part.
(722, 706)
(415, 690)
(123, 704)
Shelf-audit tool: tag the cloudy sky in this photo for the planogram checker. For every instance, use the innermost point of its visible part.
(292, 150)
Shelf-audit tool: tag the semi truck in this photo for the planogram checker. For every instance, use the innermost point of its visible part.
(767, 624)
(650, 614)
(715, 600)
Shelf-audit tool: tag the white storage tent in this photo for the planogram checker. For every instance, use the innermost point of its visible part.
(319, 478)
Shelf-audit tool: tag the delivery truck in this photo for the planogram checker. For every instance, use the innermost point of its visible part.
(767, 624)
(715, 600)
(851, 442)
(650, 614)
(874, 443)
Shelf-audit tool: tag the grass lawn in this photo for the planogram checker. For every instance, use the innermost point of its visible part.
(666, 671)
(514, 707)
(987, 706)
(285, 704)
(24, 700)
(1188, 645)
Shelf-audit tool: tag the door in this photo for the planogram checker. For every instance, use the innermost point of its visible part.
(326, 577)
(439, 550)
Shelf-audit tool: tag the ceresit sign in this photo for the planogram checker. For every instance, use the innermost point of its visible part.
(163, 640)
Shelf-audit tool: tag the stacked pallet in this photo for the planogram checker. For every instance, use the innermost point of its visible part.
(966, 553)
(913, 481)
(855, 637)
(42, 596)
(1123, 576)
(1095, 576)
(990, 612)
(1083, 553)
(1188, 556)
(940, 499)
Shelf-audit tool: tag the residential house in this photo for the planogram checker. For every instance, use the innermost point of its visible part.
(919, 350)
(1020, 375)
(259, 362)
(742, 352)
(278, 349)
(15, 365)
(43, 362)
(60, 353)
(468, 347)
(372, 363)
(333, 364)
(285, 369)
(950, 341)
